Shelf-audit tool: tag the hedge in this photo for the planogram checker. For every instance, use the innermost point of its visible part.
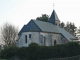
(34, 51)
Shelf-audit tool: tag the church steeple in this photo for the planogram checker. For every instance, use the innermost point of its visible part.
(54, 19)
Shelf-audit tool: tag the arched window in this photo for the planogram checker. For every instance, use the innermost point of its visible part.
(25, 38)
(55, 42)
(59, 24)
(41, 39)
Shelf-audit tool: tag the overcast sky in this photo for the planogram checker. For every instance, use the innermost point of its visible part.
(20, 12)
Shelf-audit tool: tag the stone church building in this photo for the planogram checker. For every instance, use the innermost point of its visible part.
(44, 33)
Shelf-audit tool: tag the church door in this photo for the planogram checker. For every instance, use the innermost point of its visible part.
(55, 42)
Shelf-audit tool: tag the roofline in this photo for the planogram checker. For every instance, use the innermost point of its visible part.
(41, 31)
(64, 37)
(74, 39)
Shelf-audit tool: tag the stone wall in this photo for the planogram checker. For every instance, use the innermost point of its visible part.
(41, 38)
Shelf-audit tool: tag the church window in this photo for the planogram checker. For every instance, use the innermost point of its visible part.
(59, 24)
(41, 39)
(55, 42)
(25, 38)
(29, 35)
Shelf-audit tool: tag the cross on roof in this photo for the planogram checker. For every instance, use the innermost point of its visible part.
(53, 5)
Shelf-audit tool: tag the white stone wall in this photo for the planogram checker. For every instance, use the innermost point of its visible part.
(21, 41)
(41, 38)
(51, 37)
(34, 38)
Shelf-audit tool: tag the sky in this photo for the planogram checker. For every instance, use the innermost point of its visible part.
(20, 12)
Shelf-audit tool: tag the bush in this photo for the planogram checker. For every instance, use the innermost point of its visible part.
(8, 52)
(34, 51)
(22, 53)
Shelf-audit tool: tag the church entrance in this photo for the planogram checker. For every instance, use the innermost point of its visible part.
(55, 42)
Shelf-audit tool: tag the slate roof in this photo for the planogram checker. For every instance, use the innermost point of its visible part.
(46, 26)
(31, 26)
(53, 17)
(40, 26)
(67, 35)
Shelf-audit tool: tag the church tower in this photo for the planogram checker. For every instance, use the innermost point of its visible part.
(54, 19)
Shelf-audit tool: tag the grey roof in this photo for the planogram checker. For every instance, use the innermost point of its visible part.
(46, 26)
(67, 34)
(40, 26)
(53, 17)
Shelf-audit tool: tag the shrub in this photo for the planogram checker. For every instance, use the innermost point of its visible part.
(34, 51)
(8, 52)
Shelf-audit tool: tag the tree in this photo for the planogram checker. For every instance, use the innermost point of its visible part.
(62, 25)
(9, 34)
(78, 33)
(70, 27)
(44, 17)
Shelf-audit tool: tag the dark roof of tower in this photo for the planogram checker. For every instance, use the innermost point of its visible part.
(53, 17)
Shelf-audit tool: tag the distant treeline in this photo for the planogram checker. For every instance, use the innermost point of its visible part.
(34, 51)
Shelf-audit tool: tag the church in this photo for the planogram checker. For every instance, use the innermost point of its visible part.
(44, 33)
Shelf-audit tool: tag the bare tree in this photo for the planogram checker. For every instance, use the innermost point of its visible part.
(9, 34)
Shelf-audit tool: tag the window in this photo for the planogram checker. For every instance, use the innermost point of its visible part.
(41, 39)
(59, 24)
(25, 38)
(29, 35)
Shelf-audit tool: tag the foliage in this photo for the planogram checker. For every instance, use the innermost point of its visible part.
(3, 59)
(35, 52)
(9, 34)
(62, 25)
(22, 52)
(8, 52)
(44, 17)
